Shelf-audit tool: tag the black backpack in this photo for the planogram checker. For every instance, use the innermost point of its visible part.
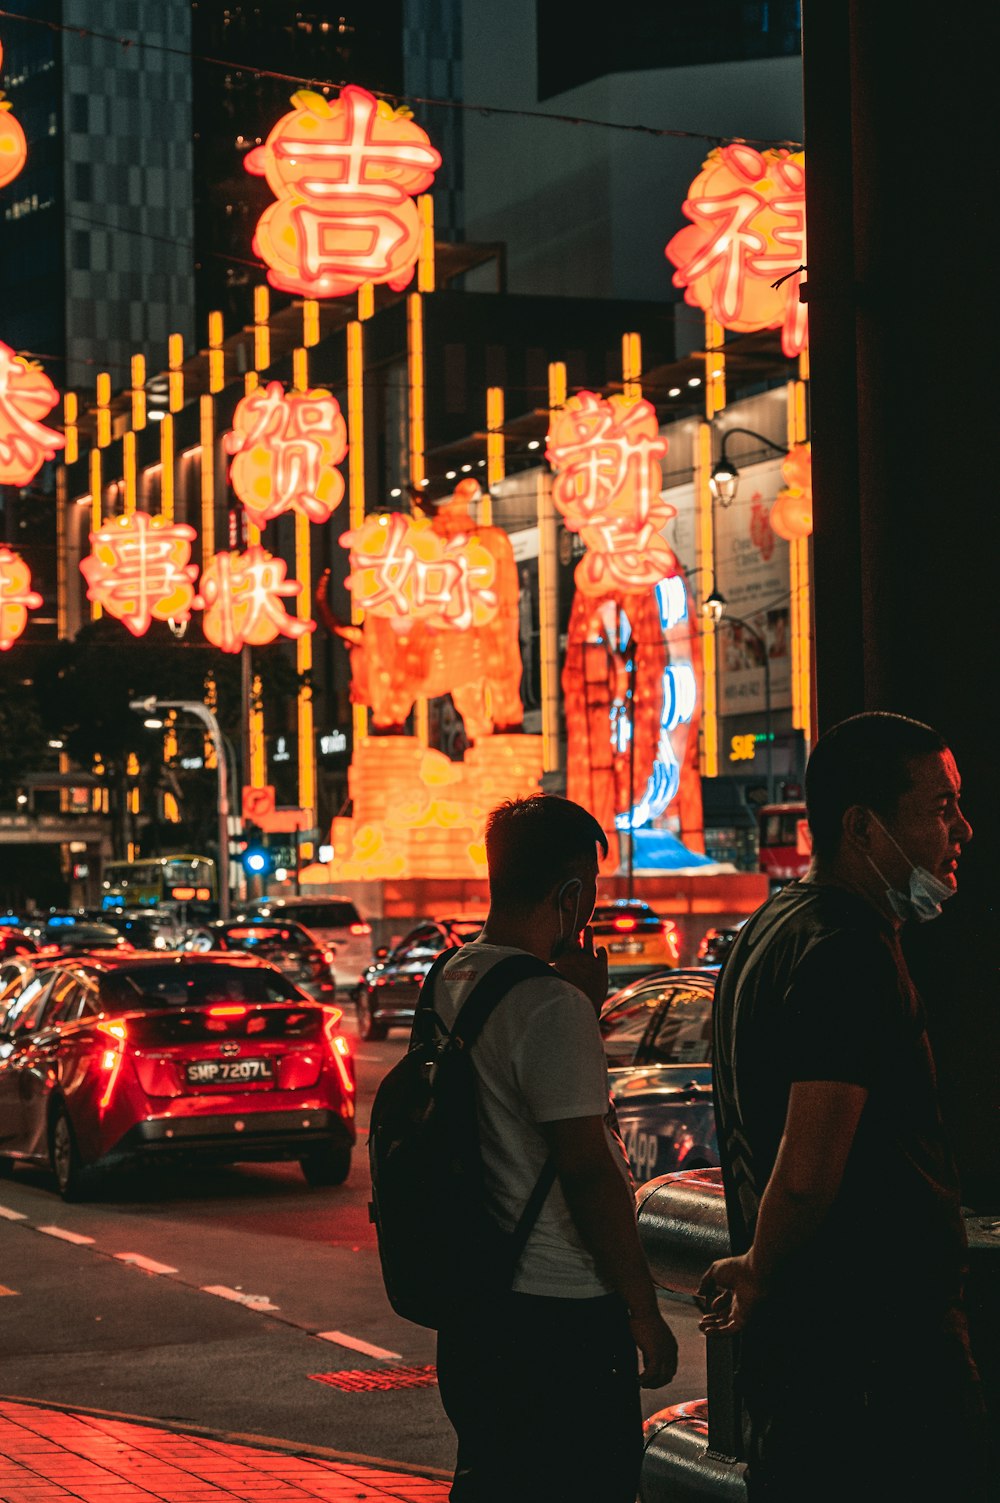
(441, 1251)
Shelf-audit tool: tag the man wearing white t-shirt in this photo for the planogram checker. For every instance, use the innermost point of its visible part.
(542, 1384)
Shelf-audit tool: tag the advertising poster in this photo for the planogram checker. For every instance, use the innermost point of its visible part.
(752, 572)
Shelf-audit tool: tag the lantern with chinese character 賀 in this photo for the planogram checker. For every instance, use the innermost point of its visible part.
(344, 172)
(13, 145)
(17, 597)
(26, 397)
(287, 446)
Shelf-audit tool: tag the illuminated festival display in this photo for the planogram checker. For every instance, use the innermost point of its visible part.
(344, 173)
(17, 597)
(26, 397)
(287, 447)
(139, 570)
(792, 512)
(241, 595)
(748, 231)
(13, 145)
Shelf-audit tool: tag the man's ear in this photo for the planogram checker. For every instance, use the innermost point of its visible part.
(858, 824)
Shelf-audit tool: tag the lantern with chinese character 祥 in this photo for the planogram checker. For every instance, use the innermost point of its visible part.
(17, 597)
(242, 594)
(287, 447)
(13, 146)
(139, 570)
(792, 512)
(344, 173)
(26, 397)
(748, 231)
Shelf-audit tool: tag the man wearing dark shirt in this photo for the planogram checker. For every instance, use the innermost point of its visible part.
(841, 1191)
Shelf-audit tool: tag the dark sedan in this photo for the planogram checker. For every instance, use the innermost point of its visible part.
(658, 1040)
(389, 988)
(297, 953)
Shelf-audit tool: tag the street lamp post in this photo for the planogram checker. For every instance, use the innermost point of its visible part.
(725, 477)
(715, 607)
(211, 724)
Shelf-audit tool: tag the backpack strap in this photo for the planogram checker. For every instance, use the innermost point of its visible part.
(491, 989)
(425, 1019)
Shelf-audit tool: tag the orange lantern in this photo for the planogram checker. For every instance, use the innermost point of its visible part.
(748, 230)
(26, 396)
(606, 457)
(792, 512)
(13, 146)
(139, 570)
(343, 172)
(241, 595)
(17, 597)
(287, 447)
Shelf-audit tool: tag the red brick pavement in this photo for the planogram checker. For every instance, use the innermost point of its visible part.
(67, 1456)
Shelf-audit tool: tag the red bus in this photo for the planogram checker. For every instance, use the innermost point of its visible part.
(785, 846)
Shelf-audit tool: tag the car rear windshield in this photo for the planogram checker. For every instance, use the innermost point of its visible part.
(266, 937)
(607, 913)
(175, 985)
(336, 914)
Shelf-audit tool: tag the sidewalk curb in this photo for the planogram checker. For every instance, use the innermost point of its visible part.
(237, 1438)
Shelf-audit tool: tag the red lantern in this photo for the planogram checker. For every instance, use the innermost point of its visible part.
(287, 447)
(241, 595)
(343, 172)
(26, 396)
(17, 597)
(13, 146)
(139, 570)
(792, 513)
(748, 230)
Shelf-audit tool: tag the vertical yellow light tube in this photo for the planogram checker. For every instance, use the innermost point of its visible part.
(129, 473)
(705, 525)
(548, 612)
(167, 467)
(261, 327)
(415, 371)
(175, 378)
(631, 367)
(251, 381)
(207, 434)
(356, 470)
(216, 353)
(715, 367)
(425, 258)
(96, 509)
(310, 322)
(496, 454)
(62, 558)
(211, 703)
(258, 760)
(71, 412)
(303, 645)
(138, 392)
(801, 604)
(103, 410)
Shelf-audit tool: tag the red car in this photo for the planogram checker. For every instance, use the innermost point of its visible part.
(117, 1060)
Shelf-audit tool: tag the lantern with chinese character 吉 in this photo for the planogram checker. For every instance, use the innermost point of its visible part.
(748, 230)
(287, 447)
(344, 173)
(241, 595)
(13, 146)
(139, 570)
(26, 397)
(606, 457)
(792, 512)
(17, 597)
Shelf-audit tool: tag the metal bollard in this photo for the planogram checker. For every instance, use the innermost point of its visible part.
(692, 1451)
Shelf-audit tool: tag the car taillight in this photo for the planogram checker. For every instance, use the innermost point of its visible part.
(228, 1012)
(111, 1059)
(670, 940)
(625, 923)
(361, 929)
(329, 956)
(339, 1048)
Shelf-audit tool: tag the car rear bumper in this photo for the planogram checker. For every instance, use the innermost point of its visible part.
(236, 1137)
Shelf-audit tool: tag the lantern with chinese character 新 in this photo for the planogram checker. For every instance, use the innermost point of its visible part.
(287, 447)
(748, 231)
(139, 570)
(17, 597)
(13, 146)
(26, 397)
(242, 594)
(344, 173)
(792, 512)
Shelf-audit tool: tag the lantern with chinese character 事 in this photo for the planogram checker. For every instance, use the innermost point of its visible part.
(287, 446)
(344, 173)
(13, 145)
(792, 513)
(17, 597)
(26, 397)
(139, 570)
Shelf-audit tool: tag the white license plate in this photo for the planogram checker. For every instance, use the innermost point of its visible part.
(228, 1071)
(626, 947)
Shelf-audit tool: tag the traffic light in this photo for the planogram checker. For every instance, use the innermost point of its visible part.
(257, 861)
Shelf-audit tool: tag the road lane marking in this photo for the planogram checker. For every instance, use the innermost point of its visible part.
(8, 1215)
(357, 1345)
(63, 1234)
(252, 1301)
(146, 1264)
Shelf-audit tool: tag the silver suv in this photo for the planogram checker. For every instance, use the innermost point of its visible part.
(336, 921)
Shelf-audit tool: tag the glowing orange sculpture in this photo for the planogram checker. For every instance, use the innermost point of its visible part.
(26, 397)
(748, 213)
(140, 570)
(287, 447)
(17, 597)
(606, 457)
(792, 512)
(343, 172)
(441, 617)
(13, 146)
(241, 595)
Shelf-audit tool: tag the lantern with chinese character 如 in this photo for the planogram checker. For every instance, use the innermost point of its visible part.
(13, 146)
(241, 595)
(17, 597)
(792, 512)
(748, 231)
(26, 397)
(139, 570)
(344, 173)
(287, 447)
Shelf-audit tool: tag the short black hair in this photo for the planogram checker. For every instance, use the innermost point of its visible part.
(864, 760)
(533, 843)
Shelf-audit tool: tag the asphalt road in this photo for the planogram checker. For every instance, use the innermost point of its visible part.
(219, 1296)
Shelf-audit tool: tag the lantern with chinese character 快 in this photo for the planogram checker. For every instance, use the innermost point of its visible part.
(17, 597)
(26, 397)
(13, 146)
(344, 173)
(748, 231)
(139, 570)
(792, 512)
(241, 595)
(287, 447)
